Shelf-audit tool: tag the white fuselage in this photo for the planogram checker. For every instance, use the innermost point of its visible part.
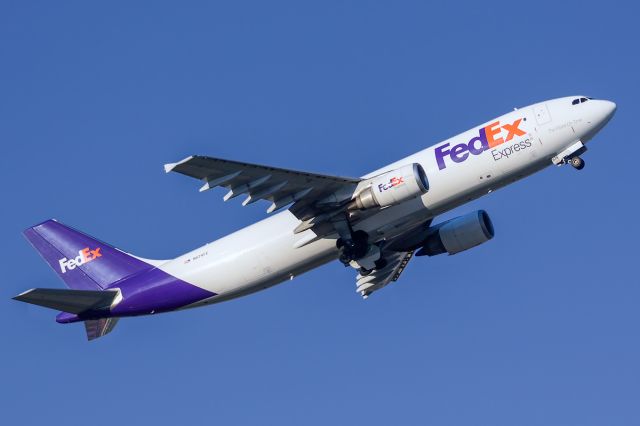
(265, 253)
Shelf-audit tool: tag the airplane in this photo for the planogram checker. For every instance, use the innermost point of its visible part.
(375, 224)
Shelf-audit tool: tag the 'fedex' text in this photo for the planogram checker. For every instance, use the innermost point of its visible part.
(489, 137)
(394, 181)
(84, 256)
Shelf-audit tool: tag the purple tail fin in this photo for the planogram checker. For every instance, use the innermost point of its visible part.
(82, 262)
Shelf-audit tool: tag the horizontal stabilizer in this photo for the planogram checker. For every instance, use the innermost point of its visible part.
(100, 327)
(72, 301)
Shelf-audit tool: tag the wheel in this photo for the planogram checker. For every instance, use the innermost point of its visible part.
(353, 248)
(364, 272)
(577, 163)
(381, 263)
(360, 237)
(360, 244)
(348, 250)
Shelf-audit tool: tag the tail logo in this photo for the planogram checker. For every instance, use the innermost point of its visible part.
(85, 255)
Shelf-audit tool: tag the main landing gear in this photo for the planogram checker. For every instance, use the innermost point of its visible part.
(576, 162)
(353, 247)
(356, 251)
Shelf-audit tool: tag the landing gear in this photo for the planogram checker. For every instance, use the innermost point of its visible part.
(381, 263)
(571, 155)
(353, 247)
(364, 271)
(355, 250)
(576, 162)
(377, 265)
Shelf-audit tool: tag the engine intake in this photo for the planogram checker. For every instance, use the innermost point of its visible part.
(458, 234)
(392, 188)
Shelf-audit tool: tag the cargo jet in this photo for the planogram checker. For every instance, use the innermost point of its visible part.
(374, 224)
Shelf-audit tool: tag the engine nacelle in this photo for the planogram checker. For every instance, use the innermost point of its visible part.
(458, 234)
(392, 187)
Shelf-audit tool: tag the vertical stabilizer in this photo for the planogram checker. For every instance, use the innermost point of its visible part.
(100, 327)
(82, 262)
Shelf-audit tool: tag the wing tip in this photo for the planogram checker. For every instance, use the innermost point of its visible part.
(170, 166)
(20, 297)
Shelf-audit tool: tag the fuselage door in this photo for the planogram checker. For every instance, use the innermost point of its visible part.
(542, 114)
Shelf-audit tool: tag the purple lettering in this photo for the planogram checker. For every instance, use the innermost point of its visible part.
(459, 153)
(476, 150)
(441, 152)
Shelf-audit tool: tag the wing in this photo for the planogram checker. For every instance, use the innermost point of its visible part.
(312, 194)
(378, 278)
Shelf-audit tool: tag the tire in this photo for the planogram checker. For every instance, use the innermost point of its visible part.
(360, 237)
(381, 263)
(364, 272)
(361, 245)
(577, 163)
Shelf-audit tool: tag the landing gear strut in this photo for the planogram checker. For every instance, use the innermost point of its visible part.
(576, 162)
(571, 155)
(353, 247)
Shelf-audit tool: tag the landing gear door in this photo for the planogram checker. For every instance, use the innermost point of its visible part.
(542, 114)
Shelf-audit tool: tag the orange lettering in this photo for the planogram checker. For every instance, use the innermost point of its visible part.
(85, 254)
(492, 130)
(513, 129)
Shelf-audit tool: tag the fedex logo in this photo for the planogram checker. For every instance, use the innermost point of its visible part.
(393, 182)
(84, 256)
(489, 137)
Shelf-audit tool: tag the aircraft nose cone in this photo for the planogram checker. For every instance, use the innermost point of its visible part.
(599, 113)
(609, 109)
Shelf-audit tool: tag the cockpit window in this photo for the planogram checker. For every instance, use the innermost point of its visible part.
(580, 100)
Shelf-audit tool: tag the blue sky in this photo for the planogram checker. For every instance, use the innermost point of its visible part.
(537, 327)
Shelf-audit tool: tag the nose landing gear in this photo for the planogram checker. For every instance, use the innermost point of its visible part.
(571, 155)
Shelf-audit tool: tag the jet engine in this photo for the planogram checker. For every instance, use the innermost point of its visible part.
(458, 234)
(392, 187)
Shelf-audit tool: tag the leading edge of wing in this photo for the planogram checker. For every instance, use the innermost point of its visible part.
(175, 167)
(279, 186)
